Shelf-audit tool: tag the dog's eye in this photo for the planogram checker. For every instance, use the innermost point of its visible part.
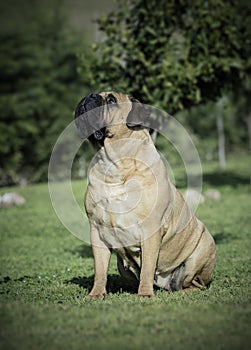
(111, 99)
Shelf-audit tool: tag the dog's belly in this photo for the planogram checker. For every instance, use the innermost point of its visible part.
(116, 237)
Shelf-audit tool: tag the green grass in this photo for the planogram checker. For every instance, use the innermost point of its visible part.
(46, 272)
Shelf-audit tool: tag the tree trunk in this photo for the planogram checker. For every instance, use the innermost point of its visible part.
(249, 129)
(221, 135)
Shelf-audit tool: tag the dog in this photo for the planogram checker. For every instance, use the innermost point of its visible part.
(132, 206)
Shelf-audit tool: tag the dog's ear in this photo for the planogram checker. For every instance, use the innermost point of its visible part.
(138, 114)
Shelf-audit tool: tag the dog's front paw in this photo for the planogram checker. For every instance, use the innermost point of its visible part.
(96, 296)
(146, 295)
(146, 291)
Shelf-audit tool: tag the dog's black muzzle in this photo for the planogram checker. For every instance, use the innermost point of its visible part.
(88, 103)
(87, 117)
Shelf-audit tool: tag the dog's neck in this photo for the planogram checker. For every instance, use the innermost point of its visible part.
(122, 132)
(120, 157)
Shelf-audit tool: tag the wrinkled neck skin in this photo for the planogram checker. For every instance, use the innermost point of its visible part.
(126, 152)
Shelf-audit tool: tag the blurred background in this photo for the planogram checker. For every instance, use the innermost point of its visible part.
(189, 58)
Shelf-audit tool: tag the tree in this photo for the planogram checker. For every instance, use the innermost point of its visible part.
(178, 54)
(39, 87)
(221, 134)
(174, 54)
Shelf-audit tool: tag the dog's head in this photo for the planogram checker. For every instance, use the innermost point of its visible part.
(107, 115)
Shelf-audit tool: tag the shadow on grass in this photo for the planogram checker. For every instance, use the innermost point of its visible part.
(115, 284)
(224, 237)
(226, 178)
(84, 251)
(8, 279)
(214, 179)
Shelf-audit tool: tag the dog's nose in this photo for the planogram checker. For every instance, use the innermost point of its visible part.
(88, 103)
(92, 101)
(92, 97)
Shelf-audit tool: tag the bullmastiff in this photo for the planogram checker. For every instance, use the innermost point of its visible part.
(132, 206)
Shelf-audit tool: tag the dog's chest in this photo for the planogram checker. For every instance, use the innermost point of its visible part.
(118, 211)
(126, 200)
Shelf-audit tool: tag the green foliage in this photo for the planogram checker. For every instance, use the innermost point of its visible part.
(39, 87)
(46, 273)
(174, 54)
(171, 54)
(178, 55)
(202, 125)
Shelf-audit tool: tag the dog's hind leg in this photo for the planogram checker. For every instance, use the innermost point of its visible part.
(200, 265)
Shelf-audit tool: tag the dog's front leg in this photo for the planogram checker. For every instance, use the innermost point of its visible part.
(102, 256)
(149, 256)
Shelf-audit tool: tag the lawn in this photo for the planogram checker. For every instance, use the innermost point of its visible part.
(46, 272)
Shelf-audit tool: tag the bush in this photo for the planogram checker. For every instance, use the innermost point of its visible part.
(39, 87)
